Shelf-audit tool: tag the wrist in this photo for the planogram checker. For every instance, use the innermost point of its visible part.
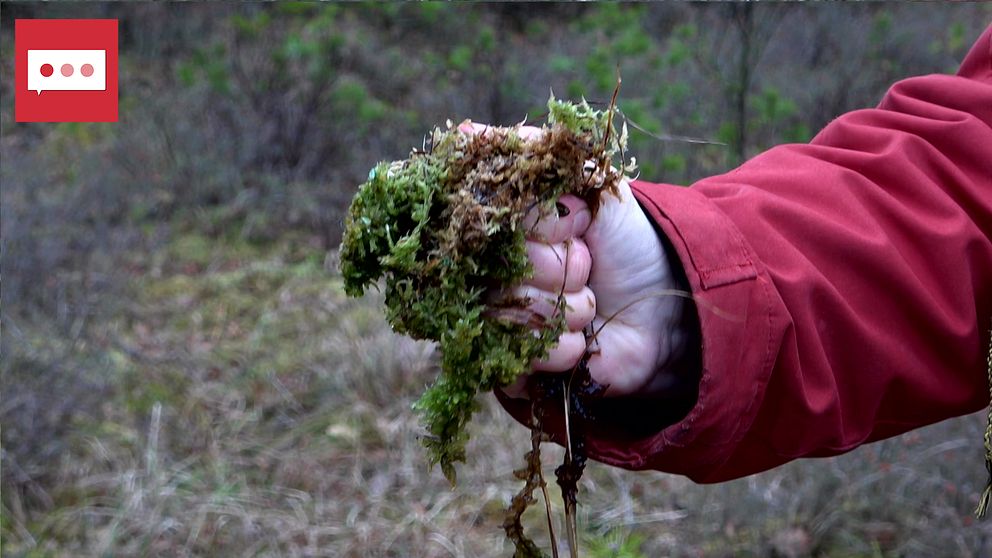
(679, 364)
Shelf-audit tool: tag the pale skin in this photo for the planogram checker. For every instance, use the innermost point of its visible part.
(611, 266)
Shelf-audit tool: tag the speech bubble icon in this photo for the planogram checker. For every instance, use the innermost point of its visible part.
(67, 70)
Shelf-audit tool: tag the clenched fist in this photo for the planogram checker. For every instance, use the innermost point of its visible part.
(611, 267)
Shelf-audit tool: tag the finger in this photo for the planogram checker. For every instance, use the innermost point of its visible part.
(570, 219)
(571, 345)
(557, 267)
(468, 127)
(526, 133)
(580, 306)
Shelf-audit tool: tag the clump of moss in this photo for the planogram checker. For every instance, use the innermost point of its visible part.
(445, 229)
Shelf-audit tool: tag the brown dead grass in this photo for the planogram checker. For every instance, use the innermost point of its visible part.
(253, 410)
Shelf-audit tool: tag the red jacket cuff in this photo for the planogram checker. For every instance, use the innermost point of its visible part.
(734, 304)
(733, 301)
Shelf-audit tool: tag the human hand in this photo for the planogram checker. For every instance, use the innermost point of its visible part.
(611, 268)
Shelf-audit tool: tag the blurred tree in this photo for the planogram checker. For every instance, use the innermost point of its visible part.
(248, 126)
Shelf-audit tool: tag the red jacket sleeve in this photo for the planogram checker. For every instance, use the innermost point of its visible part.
(845, 285)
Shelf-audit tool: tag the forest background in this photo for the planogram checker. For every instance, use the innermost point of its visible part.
(183, 376)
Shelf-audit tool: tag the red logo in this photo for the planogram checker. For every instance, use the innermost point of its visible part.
(65, 70)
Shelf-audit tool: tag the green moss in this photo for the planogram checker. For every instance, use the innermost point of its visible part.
(444, 228)
(192, 248)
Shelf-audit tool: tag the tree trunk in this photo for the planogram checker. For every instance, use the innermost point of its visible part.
(743, 18)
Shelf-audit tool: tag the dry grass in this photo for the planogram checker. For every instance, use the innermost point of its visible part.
(247, 408)
(186, 394)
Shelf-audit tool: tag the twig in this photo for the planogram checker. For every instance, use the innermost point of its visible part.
(548, 514)
(668, 137)
(533, 478)
(609, 112)
(568, 463)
